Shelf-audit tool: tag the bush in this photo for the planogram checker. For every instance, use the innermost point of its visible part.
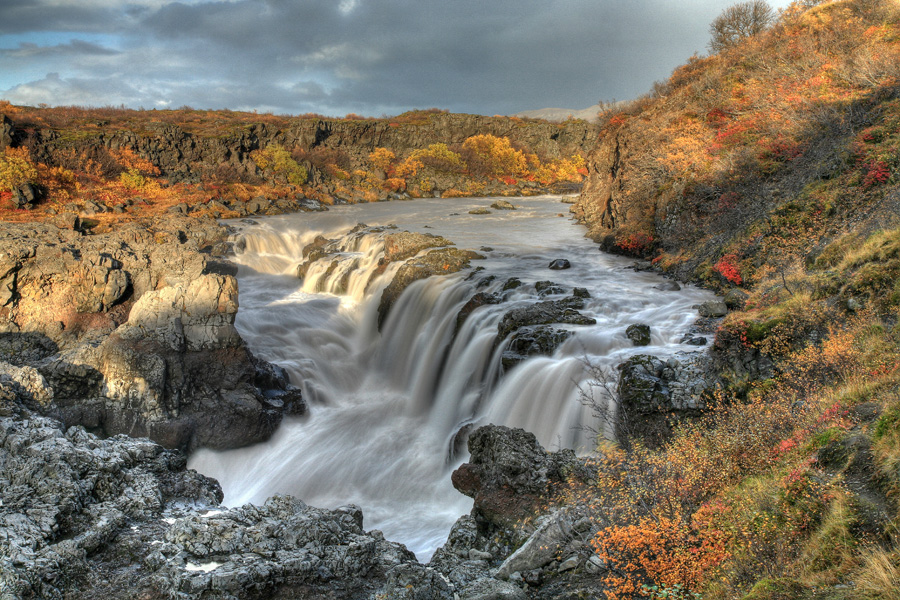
(15, 169)
(280, 162)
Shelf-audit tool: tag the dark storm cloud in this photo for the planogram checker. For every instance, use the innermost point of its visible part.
(368, 56)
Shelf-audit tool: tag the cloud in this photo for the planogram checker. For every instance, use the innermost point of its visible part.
(366, 56)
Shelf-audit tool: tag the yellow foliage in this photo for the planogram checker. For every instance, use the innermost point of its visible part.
(16, 168)
(494, 156)
(381, 158)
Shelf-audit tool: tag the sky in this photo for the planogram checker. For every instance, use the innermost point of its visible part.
(334, 57)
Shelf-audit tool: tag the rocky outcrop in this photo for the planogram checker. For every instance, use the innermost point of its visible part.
(442, 261)
(133, 332)
(86, 518)
(527, 341)
(653, 393)
(509, 473)
(544, 313)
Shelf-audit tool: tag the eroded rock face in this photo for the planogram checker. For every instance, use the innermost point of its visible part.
(442, 261)
(133, 332)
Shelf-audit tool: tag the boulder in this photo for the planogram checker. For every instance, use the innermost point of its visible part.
(479, 211)
(533, 341)
(25, 196)
(502, 205)
(543, 313)
(639, 334)
(713, 308)
(651, 391)
(509, 474)
(668, 286)
(560, 264)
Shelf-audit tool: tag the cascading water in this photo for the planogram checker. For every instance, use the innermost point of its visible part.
(385, 406)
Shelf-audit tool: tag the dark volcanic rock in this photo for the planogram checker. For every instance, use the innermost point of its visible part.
(651, 391)
(478, 300)
(560, 264)
(86, 518)
(508, 473)
(533, 341)
(543, 313)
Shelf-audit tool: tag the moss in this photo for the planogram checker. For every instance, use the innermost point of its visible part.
(775, 589)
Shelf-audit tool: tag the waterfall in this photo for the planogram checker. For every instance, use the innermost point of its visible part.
(386, 406)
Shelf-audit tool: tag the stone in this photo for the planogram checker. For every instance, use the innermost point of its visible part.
(541, 313)
(502, 205)
(736, 299)
(713, 308)
(559, 264)
(668, 286)
(533, 341)
(479, 211)
(639, 334)
(541, 548)
(568, 564)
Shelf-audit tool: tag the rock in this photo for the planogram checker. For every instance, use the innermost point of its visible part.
(479, 211)
(581, 293)
(594, 565)
(541, 313)
(693, 340)
(508, 472)
(548, 288)
(541, 548)
(25, 196)
(405, 244)
(7, 131)
(736, 299)
(492, 589)
(570, 563)
(639, 334)
(477, 301)
(650, 390)
(436, 262)
(713, 308)
(502, 205)
(533, 341)
(559, 264)
(512, 283)
(668, 286)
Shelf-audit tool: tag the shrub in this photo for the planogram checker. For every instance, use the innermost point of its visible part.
(280, 162)
(16, 168)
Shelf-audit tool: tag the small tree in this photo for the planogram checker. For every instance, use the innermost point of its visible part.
(739, 22)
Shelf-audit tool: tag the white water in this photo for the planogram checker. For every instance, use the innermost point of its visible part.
(384, 407)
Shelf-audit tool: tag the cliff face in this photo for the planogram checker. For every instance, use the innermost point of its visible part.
(187, 155)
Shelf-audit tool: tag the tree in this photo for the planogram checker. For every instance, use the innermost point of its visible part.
(739, 22)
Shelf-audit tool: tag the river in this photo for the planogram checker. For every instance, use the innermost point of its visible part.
(385, 407)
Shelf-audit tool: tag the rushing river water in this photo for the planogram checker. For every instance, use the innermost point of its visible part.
(385, 406)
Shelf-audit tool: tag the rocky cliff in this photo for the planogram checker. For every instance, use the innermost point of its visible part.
(133, 332)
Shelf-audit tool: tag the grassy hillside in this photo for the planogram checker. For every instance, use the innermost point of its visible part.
(769, 171)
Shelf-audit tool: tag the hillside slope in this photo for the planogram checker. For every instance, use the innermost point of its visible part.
(769, 172)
